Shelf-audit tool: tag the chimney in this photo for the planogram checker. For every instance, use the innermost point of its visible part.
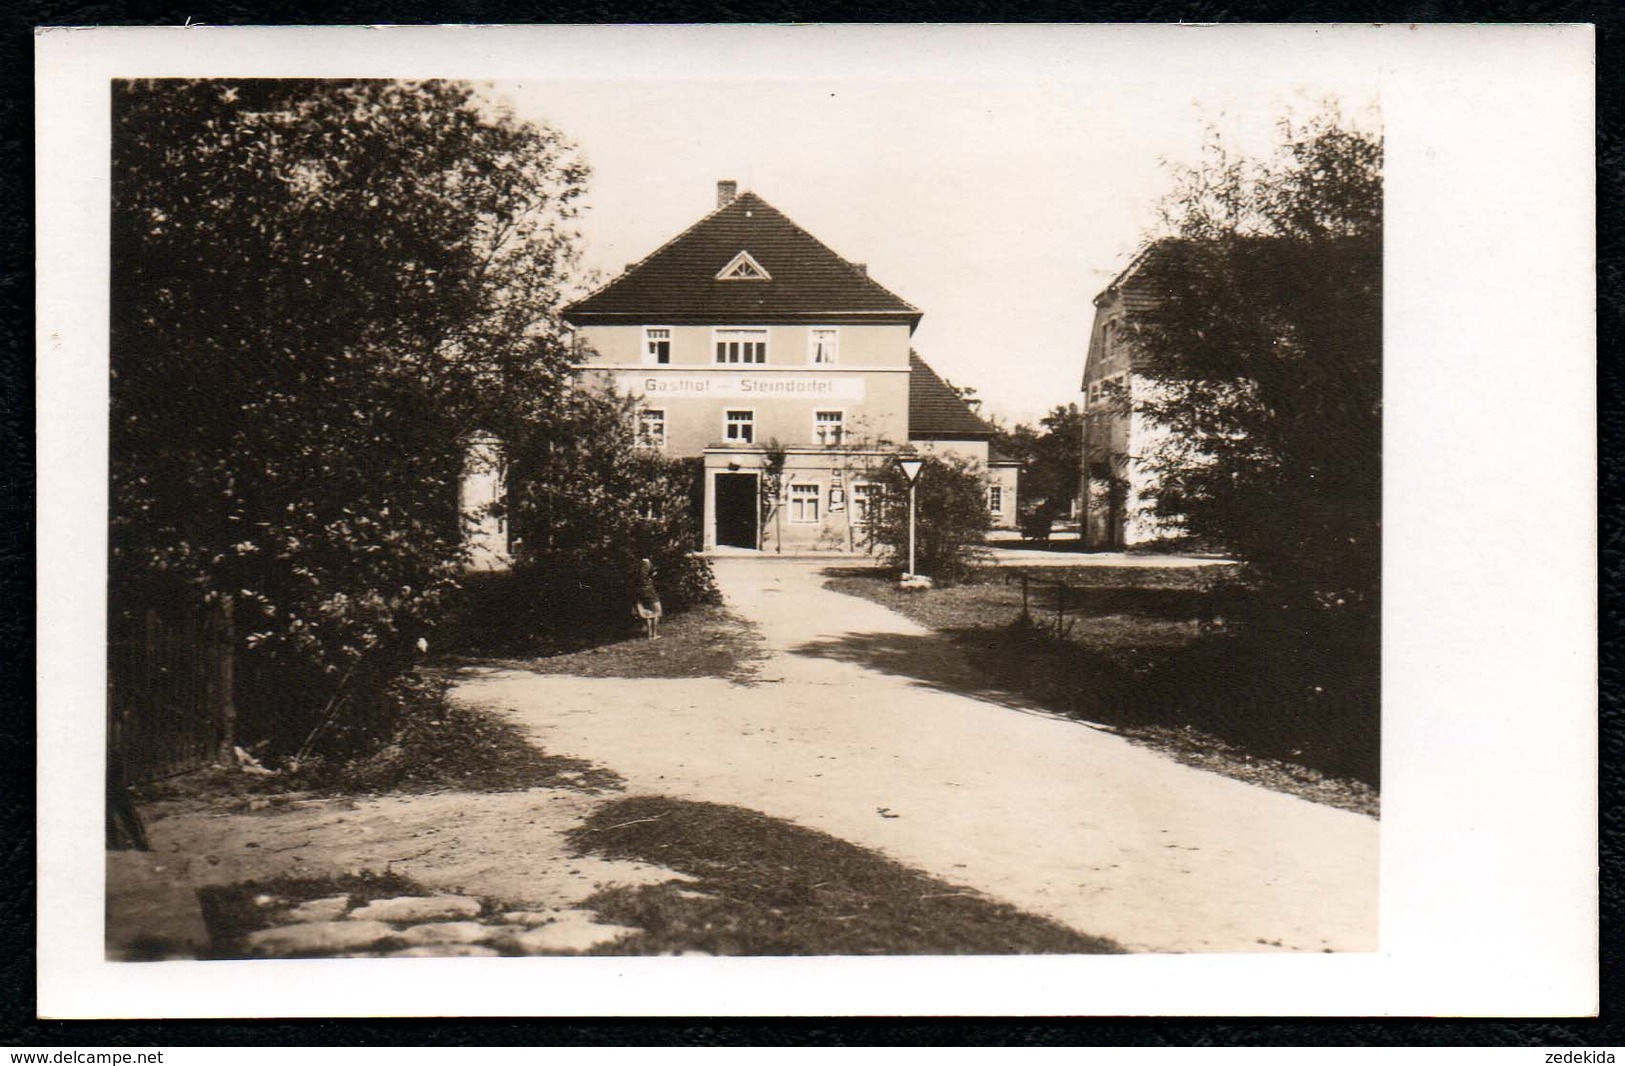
(861, 268)
(726, 191)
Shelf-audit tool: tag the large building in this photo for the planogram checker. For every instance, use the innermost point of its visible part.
(748, 342)
(1114, 437)
(1119, 439)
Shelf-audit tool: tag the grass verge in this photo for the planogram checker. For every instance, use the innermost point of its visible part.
(439, 745)
(434, 745)
(1146, 652)
(762, 886)
(705, 641)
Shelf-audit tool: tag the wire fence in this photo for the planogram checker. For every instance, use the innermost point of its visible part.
(1030, 584)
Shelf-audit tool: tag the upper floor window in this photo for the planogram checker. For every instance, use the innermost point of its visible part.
(829, 427)
(743, 268)
(823, 346)
(740, 426)
(657, 344)
(741, 345)
(651, 429)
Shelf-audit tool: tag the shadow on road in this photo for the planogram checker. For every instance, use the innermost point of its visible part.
(1221, 689)
(930, 661)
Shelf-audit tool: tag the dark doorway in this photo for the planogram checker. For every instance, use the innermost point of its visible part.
(1116, 513)
(736, 510)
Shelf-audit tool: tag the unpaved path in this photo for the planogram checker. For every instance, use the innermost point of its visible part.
(507, 845)
(840, 734)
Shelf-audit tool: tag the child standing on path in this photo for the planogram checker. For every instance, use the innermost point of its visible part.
(648, 605)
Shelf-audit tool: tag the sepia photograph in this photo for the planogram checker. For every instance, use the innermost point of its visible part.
(765, 514)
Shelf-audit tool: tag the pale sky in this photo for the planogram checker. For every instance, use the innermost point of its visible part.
(999, 208)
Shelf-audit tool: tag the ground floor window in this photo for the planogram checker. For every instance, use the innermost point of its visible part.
(995, 499)
(652, 429)
(740, 426)
(865, 498)
(803, 503)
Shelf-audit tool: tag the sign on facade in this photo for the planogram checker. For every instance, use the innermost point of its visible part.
(741, 386)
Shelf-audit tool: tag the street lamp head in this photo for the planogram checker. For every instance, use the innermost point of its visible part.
(910, 467)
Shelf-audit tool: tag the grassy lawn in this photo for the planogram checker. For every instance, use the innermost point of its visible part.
(762, 886)
(436, 746)
(1157, 654)
(499, 622)
(700, 642)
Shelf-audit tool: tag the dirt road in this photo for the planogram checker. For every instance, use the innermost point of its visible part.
(1050, 815)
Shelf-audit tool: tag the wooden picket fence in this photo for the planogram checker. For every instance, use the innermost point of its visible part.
(171, 702)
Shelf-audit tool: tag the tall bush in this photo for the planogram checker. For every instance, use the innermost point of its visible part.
(586, 504)
(951, 520)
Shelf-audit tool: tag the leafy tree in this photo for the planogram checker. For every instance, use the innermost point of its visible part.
(1051, 456)
(319, 288)
(951, 521)
(1262, 358)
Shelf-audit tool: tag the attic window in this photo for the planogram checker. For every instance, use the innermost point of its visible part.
(743, 268)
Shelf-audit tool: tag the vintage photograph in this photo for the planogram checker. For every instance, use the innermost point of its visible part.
(797, 518)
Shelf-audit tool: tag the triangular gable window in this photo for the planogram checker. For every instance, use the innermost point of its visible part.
(743, 268)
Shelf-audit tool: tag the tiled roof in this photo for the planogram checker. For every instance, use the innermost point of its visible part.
(995, 457)
(1153, 274)
(1152, 277)
(935, 412)
(1135, 282)
(678, 281)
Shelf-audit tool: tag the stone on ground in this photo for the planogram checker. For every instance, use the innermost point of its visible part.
(526, 917)
(445, 933)
(417, 909)
(318, 938)
(327, 909)
(570, 931)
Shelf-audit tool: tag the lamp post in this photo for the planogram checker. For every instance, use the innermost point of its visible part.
(911, 473)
